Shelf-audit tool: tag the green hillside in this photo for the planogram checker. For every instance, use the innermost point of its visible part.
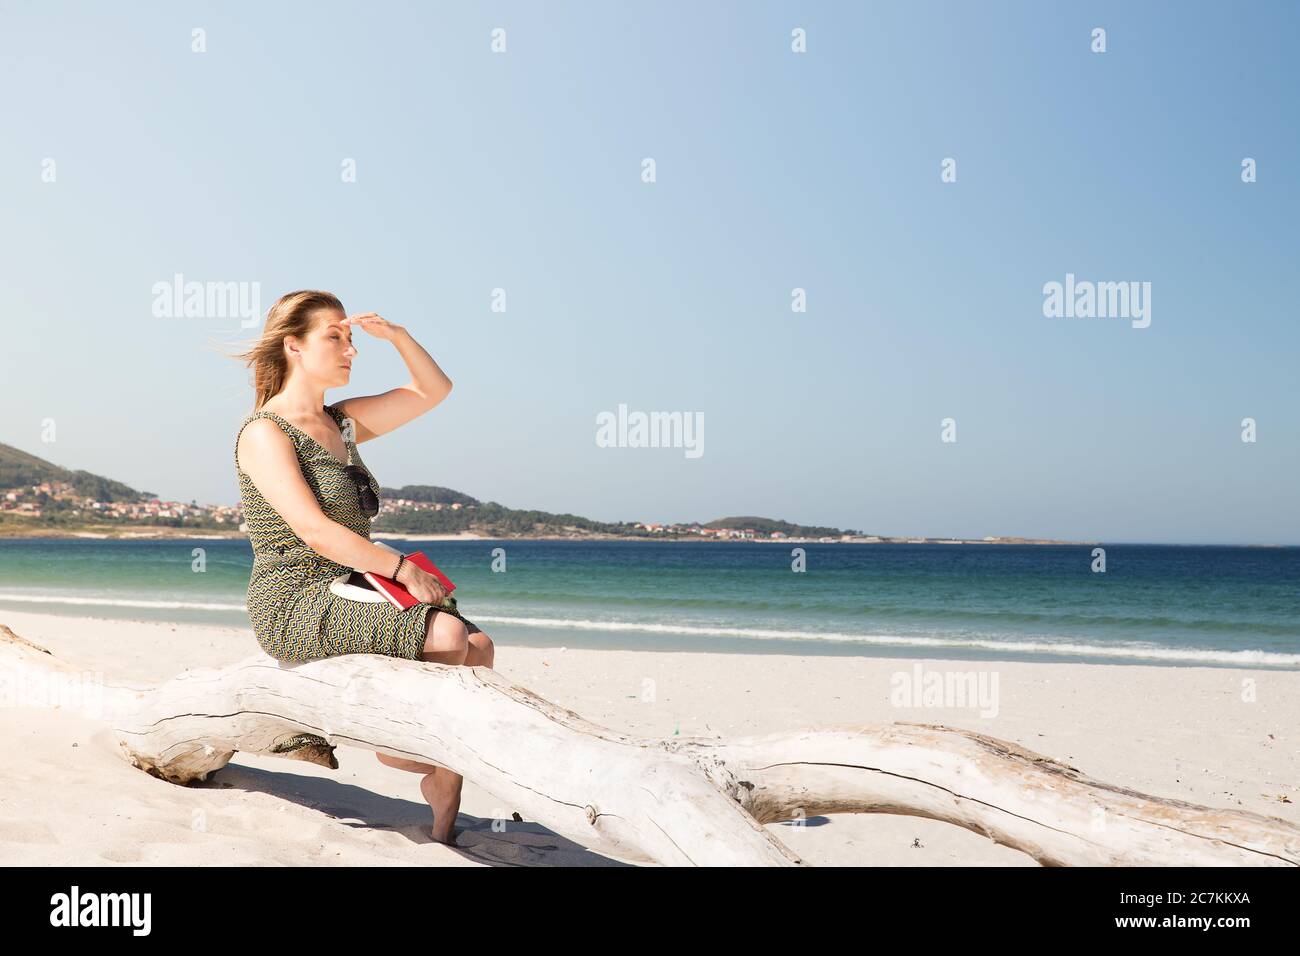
(496, 520)
(489, 518)
(18, 468)
(431, 494)
(768, 525)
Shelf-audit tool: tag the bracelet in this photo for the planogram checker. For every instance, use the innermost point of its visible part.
(399, 567)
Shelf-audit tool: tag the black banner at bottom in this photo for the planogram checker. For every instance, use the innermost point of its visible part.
(304, 905)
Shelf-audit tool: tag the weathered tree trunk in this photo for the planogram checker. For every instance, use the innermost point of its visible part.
(679, 801)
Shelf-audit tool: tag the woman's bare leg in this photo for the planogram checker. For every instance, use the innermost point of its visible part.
(441, 790)
(482, 652)
(414, 766)
(447, 641)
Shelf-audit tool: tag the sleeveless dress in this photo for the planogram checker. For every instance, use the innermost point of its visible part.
(294, 614)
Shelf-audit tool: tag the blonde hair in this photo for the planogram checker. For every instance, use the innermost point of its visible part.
(293, 315)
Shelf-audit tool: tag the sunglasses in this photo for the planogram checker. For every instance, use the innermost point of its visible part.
(369, 502)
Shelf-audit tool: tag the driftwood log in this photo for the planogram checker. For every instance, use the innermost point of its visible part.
(677, 801)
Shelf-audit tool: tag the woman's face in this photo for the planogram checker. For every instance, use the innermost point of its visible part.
(327, 352)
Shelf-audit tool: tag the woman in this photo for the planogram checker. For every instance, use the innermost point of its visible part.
(308, 500)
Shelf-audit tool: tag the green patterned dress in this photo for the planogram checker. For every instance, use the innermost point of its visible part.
(295, 615)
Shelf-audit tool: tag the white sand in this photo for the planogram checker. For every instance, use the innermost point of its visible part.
(67, 796)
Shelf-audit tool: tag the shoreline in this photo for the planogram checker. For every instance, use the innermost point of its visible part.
(1160, 730)
(533, 635)
(211, 535)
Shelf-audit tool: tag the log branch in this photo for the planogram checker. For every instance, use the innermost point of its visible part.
(678, 801)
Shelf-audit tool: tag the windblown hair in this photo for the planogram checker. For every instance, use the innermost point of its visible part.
(292, 314)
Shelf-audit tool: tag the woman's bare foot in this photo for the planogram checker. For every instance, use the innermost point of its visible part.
(442, 791)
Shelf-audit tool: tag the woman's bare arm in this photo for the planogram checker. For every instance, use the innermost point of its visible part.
(268, 457)
(375, 415)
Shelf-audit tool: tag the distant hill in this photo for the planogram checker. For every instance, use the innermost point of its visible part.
(487, 518)
(17, 468)
(491, 519)
(431, 494)
(768, 525)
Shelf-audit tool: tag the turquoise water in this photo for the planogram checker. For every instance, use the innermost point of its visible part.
(1154, 604)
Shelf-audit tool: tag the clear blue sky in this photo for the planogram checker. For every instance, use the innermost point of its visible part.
(775, 170)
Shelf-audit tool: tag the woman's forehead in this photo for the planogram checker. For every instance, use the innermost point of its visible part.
(330, 319)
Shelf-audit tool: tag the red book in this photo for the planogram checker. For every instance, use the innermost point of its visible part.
(396, 594)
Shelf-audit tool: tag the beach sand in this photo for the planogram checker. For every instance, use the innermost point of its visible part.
(68, 797)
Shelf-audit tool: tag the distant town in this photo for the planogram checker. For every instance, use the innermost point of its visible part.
(60, 497)
(705, 531)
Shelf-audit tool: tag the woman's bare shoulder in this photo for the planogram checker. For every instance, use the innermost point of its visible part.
(259, 440)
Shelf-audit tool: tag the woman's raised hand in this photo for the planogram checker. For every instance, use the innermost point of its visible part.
(375, 324)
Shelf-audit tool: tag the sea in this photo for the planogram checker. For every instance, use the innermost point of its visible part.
(1152, 604)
